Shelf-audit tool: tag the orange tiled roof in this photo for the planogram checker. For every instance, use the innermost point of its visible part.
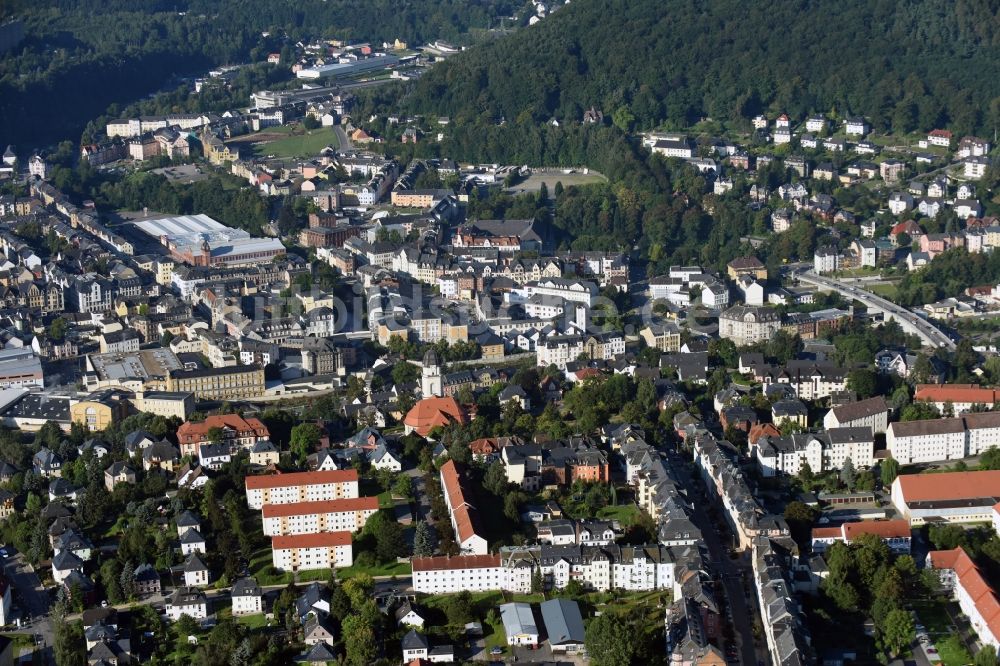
(198, 431)
(329, 506)
(430, 413)
(886, 529)
(319, 540)
(950, 485)
(301, 479)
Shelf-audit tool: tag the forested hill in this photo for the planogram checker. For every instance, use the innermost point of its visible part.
(79, 56)
(914, 64)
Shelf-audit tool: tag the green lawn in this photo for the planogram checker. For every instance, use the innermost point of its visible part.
(260, 565)
(933, 615)
(385, 500)
(952, 652)
(883, 290)
(307, 144)
(257, 621)
(625, 514)
(390, 569)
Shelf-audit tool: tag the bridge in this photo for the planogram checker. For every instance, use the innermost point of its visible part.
(928, 333)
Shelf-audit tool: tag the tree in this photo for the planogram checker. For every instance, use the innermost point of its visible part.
(359, 639)
(310, 122)
(847, 473)
(987, 656)
(610, 640)
(898, 631)
(806, 475)
(359, 589)
(402, 486)
(69, 646)
(800, 518)
(459, 609)
(303, 441)
(495, 480)
(889, 470)
(57, 329)
(863, 382)
(990, 459)
(388, 535)
(423, 540)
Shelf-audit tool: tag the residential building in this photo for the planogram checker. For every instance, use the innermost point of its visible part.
(188, 601)
(227, 383)
(339, 515)
(247, 597)
(301, 487)
(746, 325)
(464, 516)
(977, 598)
(519, 624)
(873, 413)
(956, 399)
(306, 552)
(935, 440)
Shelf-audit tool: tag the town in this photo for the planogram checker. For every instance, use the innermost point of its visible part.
(293, 382)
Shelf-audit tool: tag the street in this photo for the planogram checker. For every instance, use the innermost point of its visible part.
(930, 334)
(31, 600)
(741, 611)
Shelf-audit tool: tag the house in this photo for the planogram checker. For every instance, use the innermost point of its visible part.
(147, 580)
(856, 126)
(519, 624)
(383, 458)
(247, 597)
(976, 596)
(563, 625)
(873, 413)
(63, 564)
(895, 533)
(408, 615)
(939, 137)
(117, 473)
(192, 542)
(792, 411)
(188, 601)
(319, 653)
(751, 266)
(415, 646)
(47, 463)
(186, 521)
(195, 571)
(318, 629)
(264, 453)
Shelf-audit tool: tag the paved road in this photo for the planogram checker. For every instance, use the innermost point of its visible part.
(31, 601)
(929, 334)
(742, 611)
(345, 141)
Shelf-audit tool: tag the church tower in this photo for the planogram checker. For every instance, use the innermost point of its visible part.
(430, 376)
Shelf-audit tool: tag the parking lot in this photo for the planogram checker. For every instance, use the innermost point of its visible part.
(184, 174)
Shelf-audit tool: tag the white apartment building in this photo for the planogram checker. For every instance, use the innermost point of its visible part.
(822, 451)
(575, 291)
(301, 487)
(339, 515)
(934, 440)
(873, 413)
(971, 589)
(305, 552)
(746, 325)
(559, 350)
(475, 573)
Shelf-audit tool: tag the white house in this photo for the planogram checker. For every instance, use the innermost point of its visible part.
(873, 413)
(188, 601)
(248, 598)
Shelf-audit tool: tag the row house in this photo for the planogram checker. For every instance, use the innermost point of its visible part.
(936, 440)
(341, 515)
(823, 451)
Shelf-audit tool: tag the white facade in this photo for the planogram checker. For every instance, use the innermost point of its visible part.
(248, 604)
(937, 440)
(330, 550)
(342, 515)
(301, 487)
(193, 604)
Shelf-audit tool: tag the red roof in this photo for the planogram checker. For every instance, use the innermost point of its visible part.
(908, 226)
(457, 562)
(198, 431)
(971, 393)
(320, 540)
(940, 132)
(885, 529)
(973, 582)
(431, 413)
(302, 479)
(826, 533)
(329, 506)
(759, 430)
(949, 485)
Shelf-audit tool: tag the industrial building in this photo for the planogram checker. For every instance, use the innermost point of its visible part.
(198, 240)
(345, 69)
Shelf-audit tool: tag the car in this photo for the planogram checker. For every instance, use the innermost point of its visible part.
(3, 553)
(497, 650)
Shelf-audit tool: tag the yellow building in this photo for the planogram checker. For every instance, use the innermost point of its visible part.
(99, 410)
(228, 383)
(165, 404)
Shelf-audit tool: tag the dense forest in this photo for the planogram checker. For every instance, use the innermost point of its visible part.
(915, 64)
(79, 56)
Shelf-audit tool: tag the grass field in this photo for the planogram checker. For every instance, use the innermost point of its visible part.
(883, 290)
(534, 182)
(625, 514)
(389, 569)
(300, 143)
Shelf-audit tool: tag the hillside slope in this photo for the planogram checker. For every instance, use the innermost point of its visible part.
(915, 64)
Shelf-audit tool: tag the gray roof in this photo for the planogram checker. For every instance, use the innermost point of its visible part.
(563, 621)
(414, 641)
(518, 619)
(246, 587)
